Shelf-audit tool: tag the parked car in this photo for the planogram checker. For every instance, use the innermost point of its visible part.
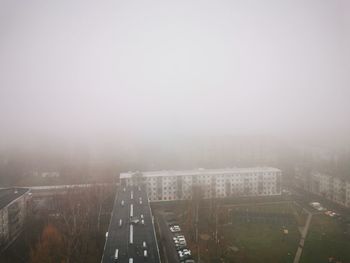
(175, 229)
(184, 254)
(180, 247)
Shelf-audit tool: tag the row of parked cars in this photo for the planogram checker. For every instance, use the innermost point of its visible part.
(319, 207)
(180, 243)
(331, 214)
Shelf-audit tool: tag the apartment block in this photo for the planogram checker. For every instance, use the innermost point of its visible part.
(330, 187)
(14, 203)
(207, 183)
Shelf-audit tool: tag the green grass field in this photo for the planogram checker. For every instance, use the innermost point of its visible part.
(261, 243)
(287, 207)
(254, 242)
(326, 238)
(279, 208)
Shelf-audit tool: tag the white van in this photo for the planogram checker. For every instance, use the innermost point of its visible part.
(116, 255)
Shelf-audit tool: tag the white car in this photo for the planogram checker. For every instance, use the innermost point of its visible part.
(175, 229)
(186, 252)
(180, 242)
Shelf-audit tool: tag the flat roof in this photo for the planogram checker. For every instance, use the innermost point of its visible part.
(200, 171)
(7, 195)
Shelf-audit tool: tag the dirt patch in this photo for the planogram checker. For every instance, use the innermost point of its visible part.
(205, 237)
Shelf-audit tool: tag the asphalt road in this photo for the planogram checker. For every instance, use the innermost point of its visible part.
(119, 236)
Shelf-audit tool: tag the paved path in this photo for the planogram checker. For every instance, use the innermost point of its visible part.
(303, 236)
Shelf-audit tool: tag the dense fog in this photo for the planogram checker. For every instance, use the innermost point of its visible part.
(175, 131)
(75, 70)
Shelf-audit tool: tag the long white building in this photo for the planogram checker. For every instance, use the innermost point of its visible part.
(209, 183)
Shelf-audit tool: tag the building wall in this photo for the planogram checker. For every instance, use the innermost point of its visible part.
(12, 219)
(4, 227)
(214, 185)
(332, 188)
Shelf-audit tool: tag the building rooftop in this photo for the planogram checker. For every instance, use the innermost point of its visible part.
(200, 171)
(7, 195)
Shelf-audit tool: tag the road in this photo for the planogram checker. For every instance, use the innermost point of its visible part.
(120, 237)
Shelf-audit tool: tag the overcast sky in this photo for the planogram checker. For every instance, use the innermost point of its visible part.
(102, 68)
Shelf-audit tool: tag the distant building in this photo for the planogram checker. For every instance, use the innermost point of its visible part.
(212, 183)
(14, 204)
(49, 174)
(333, 188)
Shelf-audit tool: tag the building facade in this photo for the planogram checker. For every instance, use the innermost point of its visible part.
(208, 183)
(330, 187)
(14, 204)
